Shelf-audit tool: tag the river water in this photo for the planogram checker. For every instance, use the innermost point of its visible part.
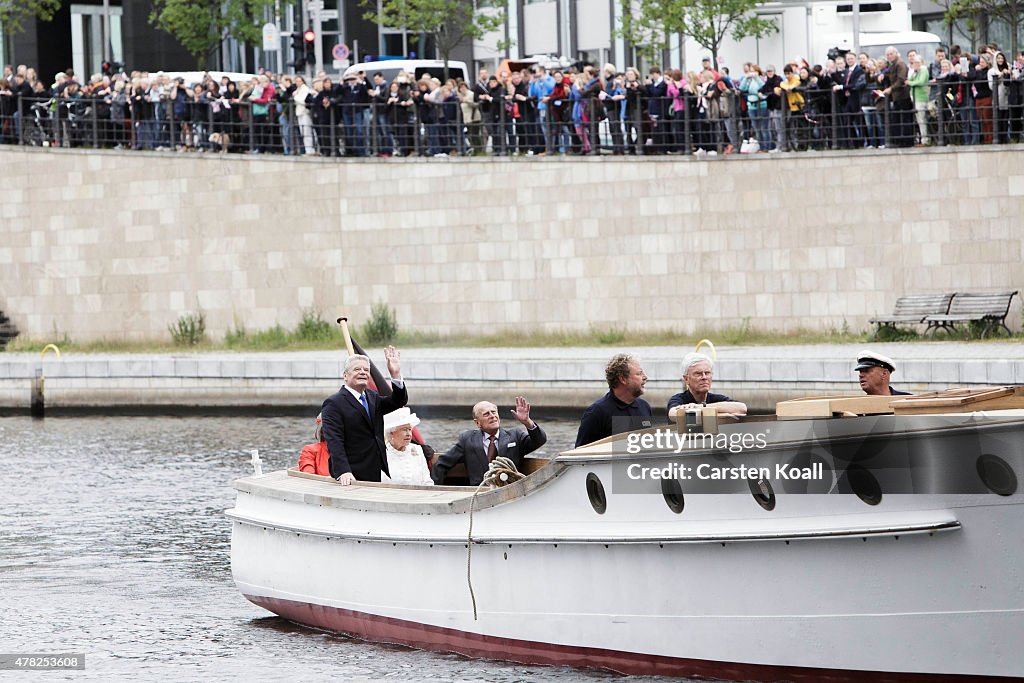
(114, 545)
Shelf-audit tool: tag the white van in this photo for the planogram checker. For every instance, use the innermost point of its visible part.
(390, 68)
(874, 44)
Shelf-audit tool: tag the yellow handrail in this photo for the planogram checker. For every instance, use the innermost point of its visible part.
(50, 347)
(707, 342)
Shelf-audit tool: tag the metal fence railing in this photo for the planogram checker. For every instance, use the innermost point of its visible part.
(816, 119)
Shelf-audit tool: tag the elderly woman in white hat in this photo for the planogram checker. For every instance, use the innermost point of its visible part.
(697, 371)
(406, 461)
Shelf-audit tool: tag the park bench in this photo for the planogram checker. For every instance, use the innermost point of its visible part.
(989, 309)
(913, 309)
(8, 331)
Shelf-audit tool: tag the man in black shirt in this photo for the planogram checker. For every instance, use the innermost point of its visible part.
(626, 381)
(874, 370)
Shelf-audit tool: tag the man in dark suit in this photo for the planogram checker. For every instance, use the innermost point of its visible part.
(353, 420)
(478, 447)
(848, 84)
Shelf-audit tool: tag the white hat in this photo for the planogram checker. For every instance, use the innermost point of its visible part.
(869, 359)
(399, 418)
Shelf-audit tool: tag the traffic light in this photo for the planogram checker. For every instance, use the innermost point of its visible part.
(111, 68)
(299, 50)
(309, 38)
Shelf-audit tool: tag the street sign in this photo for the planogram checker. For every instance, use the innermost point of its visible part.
(271, 37)
(328, 14)
(340, 64)
(315, 5)
(340, 51)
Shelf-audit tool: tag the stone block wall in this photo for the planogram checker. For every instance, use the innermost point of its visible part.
(119, 244)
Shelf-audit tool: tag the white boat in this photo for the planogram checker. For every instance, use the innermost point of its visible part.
(899, 557)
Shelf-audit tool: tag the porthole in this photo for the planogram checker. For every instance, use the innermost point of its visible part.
(595, 491)
(996, 474)
(763, 493)
(672, 491)
(864, 484)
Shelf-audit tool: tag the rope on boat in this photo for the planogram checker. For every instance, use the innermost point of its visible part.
(501, 472)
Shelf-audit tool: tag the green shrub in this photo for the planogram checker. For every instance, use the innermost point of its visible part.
(611, 335)
(314, 329)
(189, 329)
(274, 338)
(382, 327)
(235, 337)
(888, 333)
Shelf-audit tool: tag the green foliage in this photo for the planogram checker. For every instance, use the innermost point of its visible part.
(14, 13)
(1010, 11)
(236, 336)
(611, 335)
(201, 26)
(382, 327)
(641, 26)
(189, 329)
(887, 333)
(315, 330)
(708, 22)
(449, 22)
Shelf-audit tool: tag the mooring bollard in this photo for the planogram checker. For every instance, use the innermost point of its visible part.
(257, 464)
(37, 405)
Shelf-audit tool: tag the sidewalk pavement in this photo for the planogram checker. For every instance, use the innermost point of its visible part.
(568, 378)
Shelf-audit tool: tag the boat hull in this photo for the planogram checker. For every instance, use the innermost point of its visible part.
(425, 637)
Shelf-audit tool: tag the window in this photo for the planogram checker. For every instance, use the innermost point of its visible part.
(87, 52)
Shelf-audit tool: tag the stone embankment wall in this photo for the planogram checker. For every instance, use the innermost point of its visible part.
(118, 245)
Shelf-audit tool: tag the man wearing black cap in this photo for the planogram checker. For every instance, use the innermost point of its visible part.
(875, 369)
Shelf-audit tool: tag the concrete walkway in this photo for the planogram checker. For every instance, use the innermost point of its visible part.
(567, 378)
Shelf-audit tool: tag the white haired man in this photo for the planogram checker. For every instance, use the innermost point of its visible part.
(353, 420)
(697, 371)
(478, 447)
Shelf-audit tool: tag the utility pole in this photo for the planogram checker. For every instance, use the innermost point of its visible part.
(315, 7)
(106, 31)
(856, 27)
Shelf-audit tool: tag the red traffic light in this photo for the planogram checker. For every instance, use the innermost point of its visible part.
(309, 36)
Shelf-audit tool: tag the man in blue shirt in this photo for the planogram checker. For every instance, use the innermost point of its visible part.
(540, 91)
(626, 381)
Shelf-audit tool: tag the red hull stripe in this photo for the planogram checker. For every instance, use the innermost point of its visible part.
(425, 637)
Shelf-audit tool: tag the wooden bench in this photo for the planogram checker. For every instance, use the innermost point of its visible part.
(914, 309)
(988, 308)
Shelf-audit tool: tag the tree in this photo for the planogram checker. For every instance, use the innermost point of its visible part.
(708, 22)
(1010, 11)
(448, 22)
(201, 26)
(643, 25)
(13, 13)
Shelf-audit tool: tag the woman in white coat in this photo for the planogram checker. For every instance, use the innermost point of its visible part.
(406, 461)
(302, 115)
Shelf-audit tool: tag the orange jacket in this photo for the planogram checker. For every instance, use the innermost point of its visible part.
(315, 459)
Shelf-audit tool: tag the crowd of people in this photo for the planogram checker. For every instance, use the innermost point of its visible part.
(850, 101)
(361, 435)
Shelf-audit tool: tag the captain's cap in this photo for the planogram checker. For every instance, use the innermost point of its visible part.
(870, 359)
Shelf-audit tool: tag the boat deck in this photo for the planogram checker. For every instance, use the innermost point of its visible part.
(291, 485)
